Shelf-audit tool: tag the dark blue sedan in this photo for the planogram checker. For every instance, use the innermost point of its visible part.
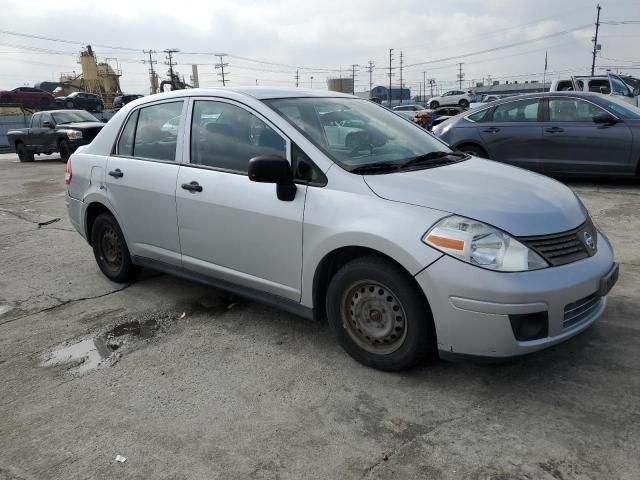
(558, 133)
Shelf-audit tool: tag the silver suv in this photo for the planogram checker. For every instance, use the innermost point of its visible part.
(332, 206)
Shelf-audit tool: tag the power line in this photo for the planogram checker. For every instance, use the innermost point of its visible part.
(73, 42)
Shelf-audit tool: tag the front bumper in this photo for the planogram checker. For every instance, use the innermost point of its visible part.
(471, 306)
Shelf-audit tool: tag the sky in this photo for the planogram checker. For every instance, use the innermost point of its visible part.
(268, 41)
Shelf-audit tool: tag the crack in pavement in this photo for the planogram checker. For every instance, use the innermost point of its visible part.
(25, 216)
(66, 302)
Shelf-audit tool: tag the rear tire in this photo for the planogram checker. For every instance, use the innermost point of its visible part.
(464, 103)
(69, 105)
(473, 150)
(65, 150)
(99, 108)
(24, 154)
(110, 250)
(379, 315)
(433, 105)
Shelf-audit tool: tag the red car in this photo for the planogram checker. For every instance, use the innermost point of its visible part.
(27, 96)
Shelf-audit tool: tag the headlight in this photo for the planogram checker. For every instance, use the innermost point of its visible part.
(480, 244)
(73, 134)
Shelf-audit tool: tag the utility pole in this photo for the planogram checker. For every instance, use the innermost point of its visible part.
(353, 78)
(431, 82)
(152, 72)
(221, 66)
(460, 74)
(169, 57)
(297, 77)
(401, 91)
(370, 70)
(390, 75)
(311, 78)
(424, 83)
(595, 40)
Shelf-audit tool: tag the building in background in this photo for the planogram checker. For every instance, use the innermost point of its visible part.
(342, 85)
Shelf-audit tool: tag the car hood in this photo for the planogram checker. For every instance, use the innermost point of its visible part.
(80, 125)
(520, 202)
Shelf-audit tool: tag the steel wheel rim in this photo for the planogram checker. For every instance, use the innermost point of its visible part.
(373, 317)
(111, 248)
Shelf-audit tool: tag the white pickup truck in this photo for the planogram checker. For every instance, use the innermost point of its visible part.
(627, 88)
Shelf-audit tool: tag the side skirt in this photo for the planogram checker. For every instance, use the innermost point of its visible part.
(274, 300)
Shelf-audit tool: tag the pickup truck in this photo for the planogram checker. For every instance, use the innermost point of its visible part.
(627, 88)
(60, 131)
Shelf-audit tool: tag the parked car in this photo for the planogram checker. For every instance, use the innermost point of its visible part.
(484, 99)
(86, 101)
(122, 100)
(31, 97)
(54, 131)
(623, 87)
(453, 97)
(559, 133)
(408, 111)
(405, 245)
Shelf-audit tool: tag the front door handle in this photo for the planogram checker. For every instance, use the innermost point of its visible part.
(192, 187)
(491, 130)
(554, 129)
(117, 173)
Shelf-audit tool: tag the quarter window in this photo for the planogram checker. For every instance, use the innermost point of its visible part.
(520, 111)
(226, 136)
(572, 110)
(157, 129)
(125, 144)
(478, 116)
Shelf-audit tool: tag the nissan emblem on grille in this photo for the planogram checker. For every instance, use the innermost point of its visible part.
(588, 240)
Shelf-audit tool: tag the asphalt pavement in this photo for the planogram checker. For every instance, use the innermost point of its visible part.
(185, 382)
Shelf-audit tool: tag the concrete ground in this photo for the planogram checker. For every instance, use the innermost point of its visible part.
(199, 385)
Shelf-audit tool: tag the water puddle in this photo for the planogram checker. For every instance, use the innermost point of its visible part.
(104, 349)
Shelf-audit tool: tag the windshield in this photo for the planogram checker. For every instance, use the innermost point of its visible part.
(73, 116)
(620, 107)
(356, 133)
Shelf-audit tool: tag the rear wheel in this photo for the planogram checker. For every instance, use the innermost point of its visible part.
(434, 104)
(110, 250)
(464, 103)
(99, 108)
(65, 150)
(24, 154)
(474, 150)
(69, 105)
(379, 315)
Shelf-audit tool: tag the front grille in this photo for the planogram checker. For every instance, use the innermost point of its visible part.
(90, 133)
(566, 247)
(576, 312)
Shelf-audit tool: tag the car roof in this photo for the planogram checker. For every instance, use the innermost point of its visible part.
(260, 93)
(64, 111)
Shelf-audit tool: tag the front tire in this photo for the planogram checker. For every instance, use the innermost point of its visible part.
(110, 250)
(433, 105)
(99, 108)
(69, 105)
(65, 150)
(464, 103)
(379, 315)
(473, 150)
(24, 154)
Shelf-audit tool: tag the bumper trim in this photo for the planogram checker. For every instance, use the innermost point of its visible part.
(481, 306)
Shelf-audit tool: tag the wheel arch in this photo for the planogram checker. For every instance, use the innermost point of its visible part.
(333, 261)
(472, 143)
(93, 209)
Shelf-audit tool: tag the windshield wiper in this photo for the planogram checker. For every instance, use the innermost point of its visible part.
(429, 157)
(378, 167)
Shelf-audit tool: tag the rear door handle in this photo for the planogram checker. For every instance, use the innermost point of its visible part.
(117, 173)
(491, 130)
(554, 129)
(192, 187)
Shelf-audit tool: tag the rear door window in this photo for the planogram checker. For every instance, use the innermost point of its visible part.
(519, 111)
(156, 134)
(572, 110)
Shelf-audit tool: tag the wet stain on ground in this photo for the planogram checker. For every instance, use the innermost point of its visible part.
(105, 348)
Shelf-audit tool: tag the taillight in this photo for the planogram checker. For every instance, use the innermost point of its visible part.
(67, 173)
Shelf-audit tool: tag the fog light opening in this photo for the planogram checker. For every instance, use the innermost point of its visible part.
(530, 326)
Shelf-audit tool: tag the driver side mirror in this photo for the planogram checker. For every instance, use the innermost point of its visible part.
(605, 119)
(47, 124)
(274, 169)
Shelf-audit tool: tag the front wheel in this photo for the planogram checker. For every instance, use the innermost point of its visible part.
(99, 108)
(379, 315)
(473, 150)
(110, 250)
(65, 150)
(464, 103)
(434, 105)
(24, 154)
(69, 105)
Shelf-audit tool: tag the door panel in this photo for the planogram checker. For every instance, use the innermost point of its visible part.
(573, 143)
(513, 133)
(235, 229)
